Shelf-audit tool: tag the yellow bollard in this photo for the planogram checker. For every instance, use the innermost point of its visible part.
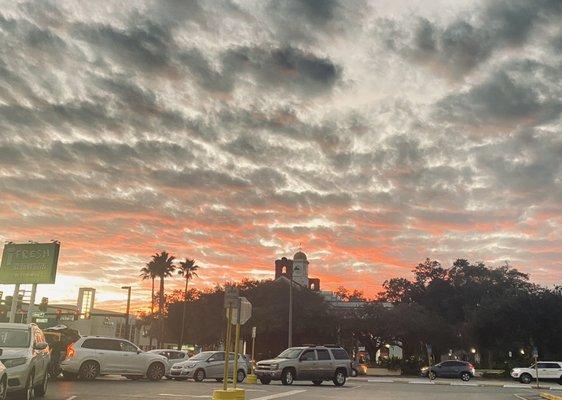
(252, 379)
(240, 394)
(221, 394)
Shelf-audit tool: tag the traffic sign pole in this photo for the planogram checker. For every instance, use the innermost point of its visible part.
(227, 350)
(15, 299)
(31, 303)
(236, 349)
(252, 378)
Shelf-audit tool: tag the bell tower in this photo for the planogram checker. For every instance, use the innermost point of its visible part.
(300, 269)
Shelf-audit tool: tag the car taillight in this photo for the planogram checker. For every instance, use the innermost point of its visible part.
(471, 366)
(70, 352)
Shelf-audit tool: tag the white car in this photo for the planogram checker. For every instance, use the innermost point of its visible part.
(548, 370)
(25, 354)
(3, 381)
(173, 356)
(92, 356)
(208, 365)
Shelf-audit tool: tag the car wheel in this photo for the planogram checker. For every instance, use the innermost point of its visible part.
(89, 371)
(316, 383)
(465, 376)
(218, 379)
(240, 376)
(3, 389)
(526, 378)
(265, 381)
(432, 375)
(287, 377)
(340, 378)
(199, 375)
(156, 371)
(41, 390)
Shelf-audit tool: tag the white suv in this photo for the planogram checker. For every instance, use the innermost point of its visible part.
(92, 356)
(551, 370)
(26, 357)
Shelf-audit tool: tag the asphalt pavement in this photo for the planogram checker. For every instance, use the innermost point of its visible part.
(117, 388)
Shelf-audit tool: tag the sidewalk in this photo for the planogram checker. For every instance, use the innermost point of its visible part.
(477, 382)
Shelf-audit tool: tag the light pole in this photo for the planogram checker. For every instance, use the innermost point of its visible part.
(128, 288)
(290, 341)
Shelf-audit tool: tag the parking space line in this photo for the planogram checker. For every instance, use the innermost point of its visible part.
(382, 380)
(520, 397)
(279, 395)
(191, 396)
(72, 397)
(463, 384)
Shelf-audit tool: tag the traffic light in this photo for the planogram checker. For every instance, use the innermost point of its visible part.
(44, 304)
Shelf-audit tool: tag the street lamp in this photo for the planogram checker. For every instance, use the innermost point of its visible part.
(291, 311)
(128, 288)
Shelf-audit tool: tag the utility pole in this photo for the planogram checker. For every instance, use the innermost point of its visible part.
(290, 341)
(128, 288)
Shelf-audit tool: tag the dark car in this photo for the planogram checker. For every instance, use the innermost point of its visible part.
(450, 369)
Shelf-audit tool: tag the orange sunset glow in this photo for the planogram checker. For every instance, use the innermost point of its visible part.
(234, 135)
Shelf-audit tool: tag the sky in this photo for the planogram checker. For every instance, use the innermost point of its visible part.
(371, 134)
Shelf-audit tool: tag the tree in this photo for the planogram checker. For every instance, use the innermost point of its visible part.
(163, 264)
(187, 269)
(149, 272)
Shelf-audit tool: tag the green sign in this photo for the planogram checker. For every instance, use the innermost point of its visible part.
(29, 263)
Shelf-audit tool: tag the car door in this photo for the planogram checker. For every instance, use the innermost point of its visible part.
(326, 366)
(108, 353)
(41, 356)
(445, 369)
(132, 361)
(549, 370)
(308, 365)
(215, 365)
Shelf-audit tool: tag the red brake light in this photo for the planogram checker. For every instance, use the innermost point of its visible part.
(70, 352)
(471, 366)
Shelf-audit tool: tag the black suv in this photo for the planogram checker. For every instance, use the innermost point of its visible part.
(450, 369)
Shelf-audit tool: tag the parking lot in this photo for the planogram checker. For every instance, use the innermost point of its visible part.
(360, 388)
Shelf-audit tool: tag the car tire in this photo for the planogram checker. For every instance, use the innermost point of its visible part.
(265, 381)
(89, 371)
(156, 371)
(199, 375)
(41, 390)
(288, 377)
(432, 375)
(218, 379)
(240, 376)
(317, 383)
(340, 378)
(525, 378)
(465, 376)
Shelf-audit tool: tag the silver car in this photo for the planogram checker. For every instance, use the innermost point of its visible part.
(3, 381)
(25, 354)
(208, 365)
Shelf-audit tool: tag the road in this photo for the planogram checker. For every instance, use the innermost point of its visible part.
(120, 389)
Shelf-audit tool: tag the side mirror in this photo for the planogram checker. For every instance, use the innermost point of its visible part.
(40, 346)
(139, 351)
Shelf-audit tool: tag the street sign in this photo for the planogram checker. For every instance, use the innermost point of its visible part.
(231, 296)
(245, 309)
(253, 332)
(535, 352)
(29, 263)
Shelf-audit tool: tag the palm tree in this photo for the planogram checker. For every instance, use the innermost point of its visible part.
(163, 264)
(149, 272)
(187, 269)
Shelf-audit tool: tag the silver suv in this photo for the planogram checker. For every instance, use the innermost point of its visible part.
(25, 354)
(208, 365)
(92, 356)
(311, 363)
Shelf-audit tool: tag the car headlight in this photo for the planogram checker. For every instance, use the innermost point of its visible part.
(14, 362)
(274, 366)
(189, 366)
(425, 369)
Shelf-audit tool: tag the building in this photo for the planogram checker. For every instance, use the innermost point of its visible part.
(297, 271)
(86, 297)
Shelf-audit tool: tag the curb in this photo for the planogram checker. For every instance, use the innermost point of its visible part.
(454, 383)
(550, 396)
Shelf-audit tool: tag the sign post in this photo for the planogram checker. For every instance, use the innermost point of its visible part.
(252, 378)
(28, 263)
(429, 350)
(536, 358)
(243, 314)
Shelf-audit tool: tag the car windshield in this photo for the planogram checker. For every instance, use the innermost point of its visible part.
(290, 353)
(17, 338)
(200, 356)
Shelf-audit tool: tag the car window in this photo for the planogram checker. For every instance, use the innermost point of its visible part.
(460, 364)
(340, 354)
(323, 354)
(127, 346)
(180, 355)
(308, 355)
(18, 338)
(447, 364)
(217, 357)
(104, 344)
